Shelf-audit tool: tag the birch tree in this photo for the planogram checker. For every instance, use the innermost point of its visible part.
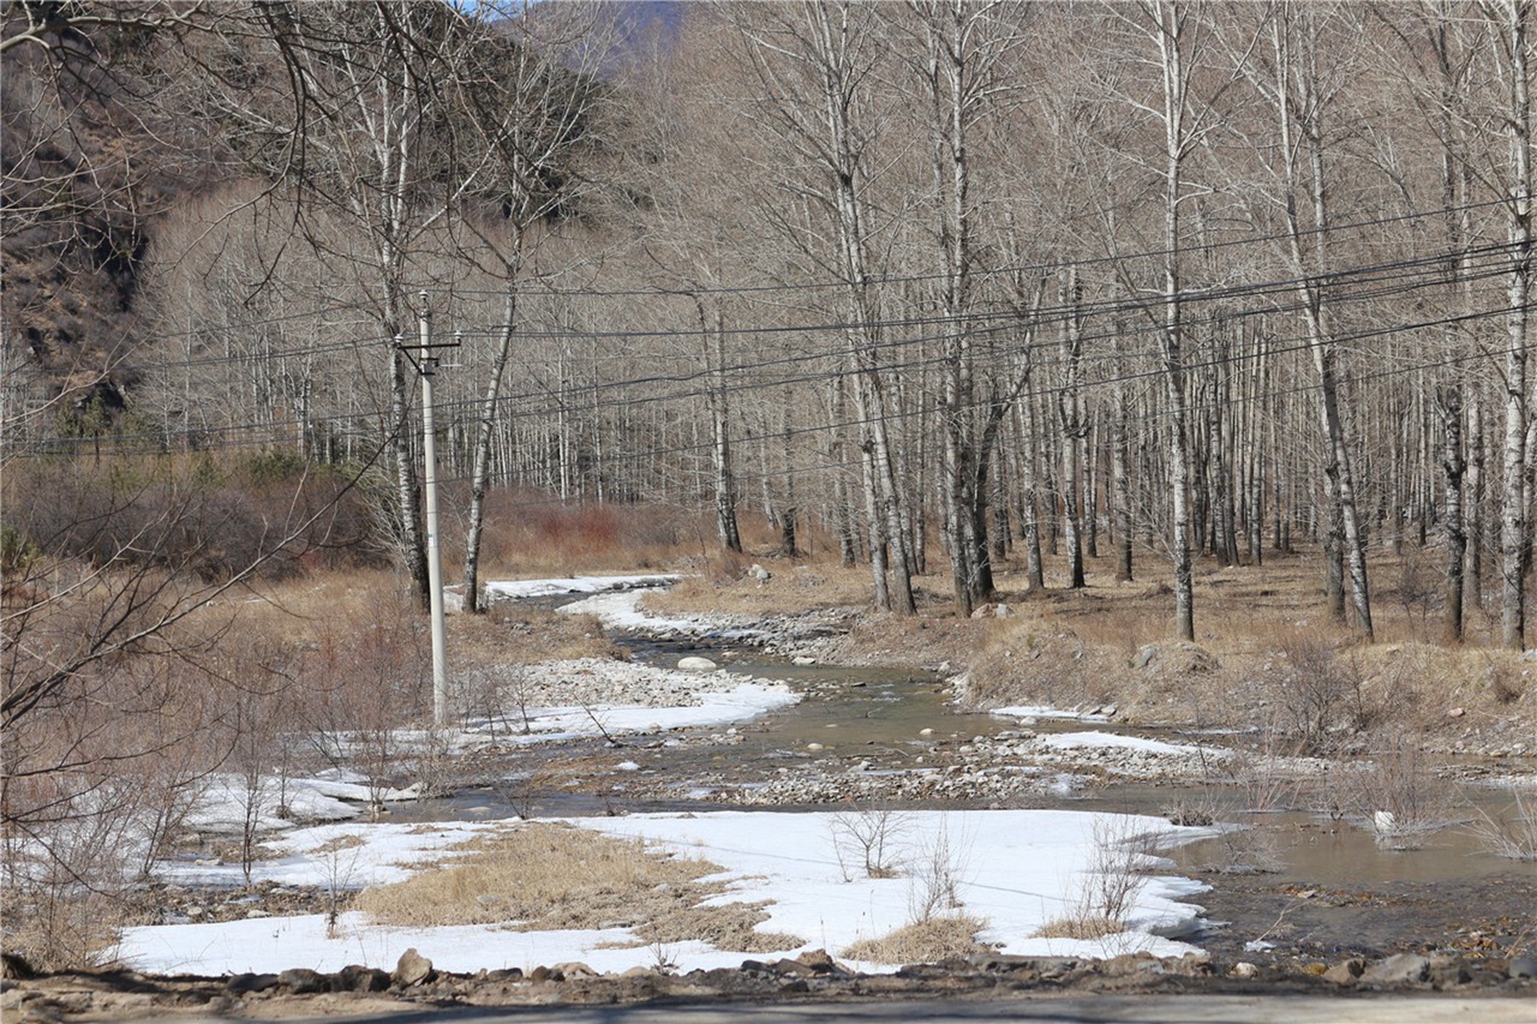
(1512, 18)
(815, 64)
(1300, 98)
(527, 112)
(965, 72)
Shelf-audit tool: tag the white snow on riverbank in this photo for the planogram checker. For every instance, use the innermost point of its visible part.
(621, 611)
(1041, 711)
(516, 589)
(229, 802)
(1080, 740)
(723, 705)
(1017, 870)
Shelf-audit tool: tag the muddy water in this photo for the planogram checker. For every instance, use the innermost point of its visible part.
(1304, 847)
(848, 708)
(1330, 888)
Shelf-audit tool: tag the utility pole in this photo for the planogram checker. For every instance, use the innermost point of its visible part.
(426, 367)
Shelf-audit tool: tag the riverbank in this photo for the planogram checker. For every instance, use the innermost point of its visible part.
(598, 726)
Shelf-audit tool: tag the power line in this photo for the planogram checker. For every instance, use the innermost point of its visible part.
(1012, 320)
(683, 291)
(896, 416)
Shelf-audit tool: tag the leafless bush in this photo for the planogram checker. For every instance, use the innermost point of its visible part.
(1511, 833)
(1038, 662)
(339, 861)
(431, 765)
(1504, 680)
(868, 838)
(936, 871)
(1319, 692)
(194, 515)
(1396, 796)
(375, 687)
(1418, 591)
(1110, 884)
(94, 790)
(498, 696)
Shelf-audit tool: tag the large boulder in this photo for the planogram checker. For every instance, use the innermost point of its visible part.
(412, 969)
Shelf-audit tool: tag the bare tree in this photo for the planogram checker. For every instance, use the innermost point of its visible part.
(1511, 16)
(814, 65)
(1300, 99)
(964, 65)
(529, 103)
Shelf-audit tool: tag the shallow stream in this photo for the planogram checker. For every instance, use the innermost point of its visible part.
(1372, 893)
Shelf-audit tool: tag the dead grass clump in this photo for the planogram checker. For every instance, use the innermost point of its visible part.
(511, 633)
(1077, 926)
(340, 843)
(557, 876)
(58, 931)
(938, 938)
(730, 926)
(792, 587)
(1511, 834)
(1033, 661)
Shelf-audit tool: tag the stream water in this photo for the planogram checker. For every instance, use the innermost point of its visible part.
(1449, 878)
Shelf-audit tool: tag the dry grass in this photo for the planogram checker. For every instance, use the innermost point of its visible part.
(55, 930)
(723, 586)
(513, 634)
(1258, 629)
(1078, 926)
(538, 877)
(1511, 834)
(939, 938)
(337, 845)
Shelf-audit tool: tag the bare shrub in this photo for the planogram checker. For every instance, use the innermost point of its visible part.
(95, 788)
(372, 682)
(1036, 662)
(1263, 790)
(936, 871)
(195, 515)
(1418, 591)
(1396, 795)
(1511, 833)
(339, 861)
(1318, 691)
(1504, 680)
(1109, 886)
(868, 838)
(535, 530)
(432, 766)
(725, 567)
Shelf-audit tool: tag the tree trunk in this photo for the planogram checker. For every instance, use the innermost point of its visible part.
(1514, 524)
(1449, 404)
(482, 458)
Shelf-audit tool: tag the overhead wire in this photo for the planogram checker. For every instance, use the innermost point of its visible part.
(896, 416)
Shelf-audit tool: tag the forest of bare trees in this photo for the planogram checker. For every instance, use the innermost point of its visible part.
(935, 281)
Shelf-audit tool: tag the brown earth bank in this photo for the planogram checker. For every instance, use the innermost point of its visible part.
(415, 986)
